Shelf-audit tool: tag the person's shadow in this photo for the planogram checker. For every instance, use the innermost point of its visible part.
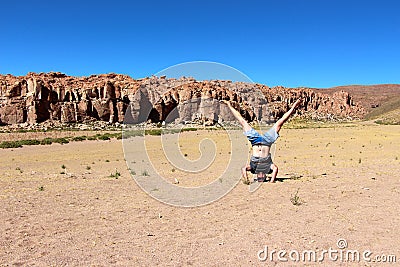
(282, 179)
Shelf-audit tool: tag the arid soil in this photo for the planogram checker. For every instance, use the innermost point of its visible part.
(61, 207)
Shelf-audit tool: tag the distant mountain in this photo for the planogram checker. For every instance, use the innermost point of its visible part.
(369, 96)
(388, 112)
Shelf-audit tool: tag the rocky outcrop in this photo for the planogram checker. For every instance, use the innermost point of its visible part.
(315, 105)
(54, 96)
(187, 100)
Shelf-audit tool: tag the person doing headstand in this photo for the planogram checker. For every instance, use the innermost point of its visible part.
(261, 161)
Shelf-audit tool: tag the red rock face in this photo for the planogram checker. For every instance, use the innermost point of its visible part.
(316, 105)
(36, 98)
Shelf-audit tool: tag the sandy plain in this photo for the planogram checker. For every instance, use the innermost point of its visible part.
(346, 178)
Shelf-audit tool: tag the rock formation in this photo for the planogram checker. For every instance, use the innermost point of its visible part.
(54, 96)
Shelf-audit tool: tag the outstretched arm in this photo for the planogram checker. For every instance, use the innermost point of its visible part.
(245, 169)
(274, 173)
(285, 117)
(246, 127)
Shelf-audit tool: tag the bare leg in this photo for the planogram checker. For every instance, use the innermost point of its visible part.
(246, 127)
(285, 117)
(274, 172)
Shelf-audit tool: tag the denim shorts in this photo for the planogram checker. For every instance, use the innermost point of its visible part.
(266, 139)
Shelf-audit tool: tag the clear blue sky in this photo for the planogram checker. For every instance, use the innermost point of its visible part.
(314, 43)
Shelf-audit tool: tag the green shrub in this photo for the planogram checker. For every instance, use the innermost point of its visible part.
(295, 199)
(10, 144)
(118, 135)
(103, 137)
(132, 133)
(46, 141)
(115, 175)
(19, 143)
(29, 142)
(189, 129)
(152, 132)
(79, 138)
(61, 140)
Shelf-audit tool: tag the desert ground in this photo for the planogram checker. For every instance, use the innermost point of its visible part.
(77, 204)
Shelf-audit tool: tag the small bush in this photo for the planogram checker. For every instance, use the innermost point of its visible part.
(79, 138)
(41, 188)
(131, 133)
(104, 137)
(295, 199)
(118, 136)
(10, 144)
(153, 132)
(188, 129)
(115, 175)
(46, 141)
(20, 143)
(29, 142)
(61, 140)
